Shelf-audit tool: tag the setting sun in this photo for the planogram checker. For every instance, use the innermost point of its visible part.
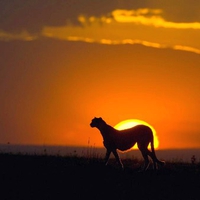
(133, 122)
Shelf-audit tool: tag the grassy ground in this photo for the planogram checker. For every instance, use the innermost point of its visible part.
(54, 177)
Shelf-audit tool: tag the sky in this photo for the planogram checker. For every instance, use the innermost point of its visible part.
(63, 63)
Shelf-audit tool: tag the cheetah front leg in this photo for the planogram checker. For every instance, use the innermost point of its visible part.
(108, 152)
(118, 158)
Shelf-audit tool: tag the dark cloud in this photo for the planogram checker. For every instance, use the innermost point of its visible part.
(33, 15)
(178, 10)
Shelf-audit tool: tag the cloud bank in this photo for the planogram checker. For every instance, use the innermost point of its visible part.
(104, 22)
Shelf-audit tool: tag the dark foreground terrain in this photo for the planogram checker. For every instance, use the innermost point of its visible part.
(54, 177)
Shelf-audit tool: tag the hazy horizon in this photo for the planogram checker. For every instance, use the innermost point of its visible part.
(184, 155)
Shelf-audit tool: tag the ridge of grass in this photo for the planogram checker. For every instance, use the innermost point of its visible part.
(73, 177)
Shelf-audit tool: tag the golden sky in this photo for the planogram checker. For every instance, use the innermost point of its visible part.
(64, 62)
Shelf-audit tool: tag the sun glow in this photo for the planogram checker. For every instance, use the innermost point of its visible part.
(133, 122)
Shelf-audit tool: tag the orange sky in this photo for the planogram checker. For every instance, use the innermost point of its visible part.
(122, 61)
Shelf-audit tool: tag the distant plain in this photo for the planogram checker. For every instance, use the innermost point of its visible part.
(183, 155)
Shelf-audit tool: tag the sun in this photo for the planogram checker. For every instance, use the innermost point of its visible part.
(129, 123)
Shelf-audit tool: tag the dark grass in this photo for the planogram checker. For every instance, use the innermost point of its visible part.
(55, 177)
